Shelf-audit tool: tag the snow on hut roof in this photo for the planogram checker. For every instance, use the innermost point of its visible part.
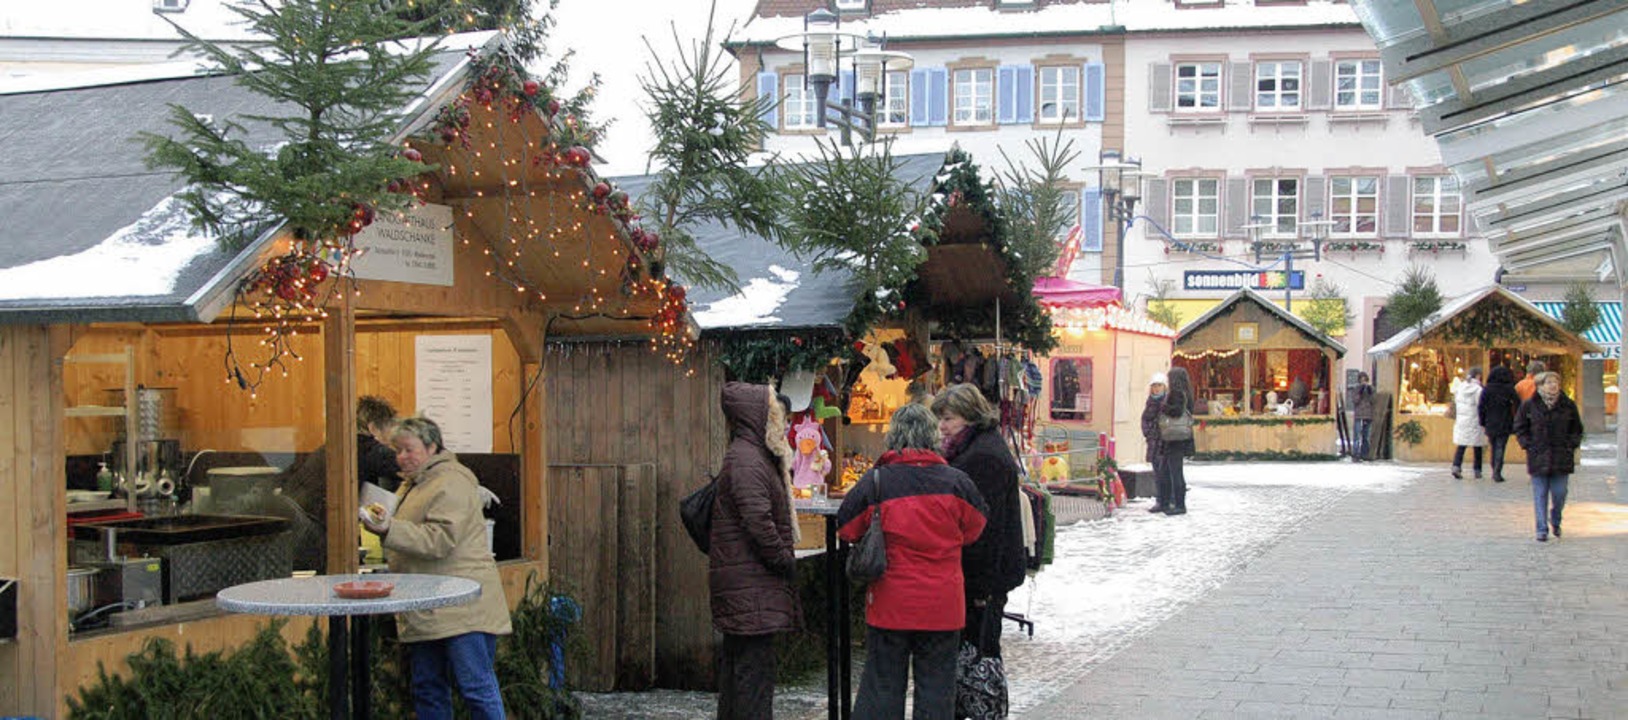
(87, 231)
(1448, 311)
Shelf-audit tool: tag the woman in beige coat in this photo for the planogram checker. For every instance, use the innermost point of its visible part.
(438, 529)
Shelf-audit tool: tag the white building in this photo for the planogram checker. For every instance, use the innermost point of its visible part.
(38, 38)
(1271, 110)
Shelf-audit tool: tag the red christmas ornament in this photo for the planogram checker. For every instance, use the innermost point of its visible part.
(602, 190)
(859, 346)
(553, 107)
(796, 341)
(530, 88)
(1201, 424)
(318, 272)
(288, 291)
(1288, 423)
(363, 213)
(578, 156)
(901, 304)
(617, 199)
(413, 154)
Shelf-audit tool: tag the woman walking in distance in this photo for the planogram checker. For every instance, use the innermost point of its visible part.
(1467, 430)
(1178, 401)
(1497, 410)
(1550, 431)
(916, 609)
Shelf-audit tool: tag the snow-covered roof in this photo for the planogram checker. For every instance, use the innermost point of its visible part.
(1448, 311)
(88, 232)
(1066, 19)
(778, 289)
(1225, 306)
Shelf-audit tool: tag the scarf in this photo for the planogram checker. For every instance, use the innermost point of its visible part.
(1549, 399)
(913, 457)
(954, 445)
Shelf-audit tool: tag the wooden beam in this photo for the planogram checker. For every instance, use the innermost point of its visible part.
(339, 394)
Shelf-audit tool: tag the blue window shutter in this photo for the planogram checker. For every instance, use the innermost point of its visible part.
(1095, 96)
(938, 96)
(918, 98)
(848, 85)
(843, 89)
(1006, 90)
(1091, 220)
(768, 85)
(1025, 94)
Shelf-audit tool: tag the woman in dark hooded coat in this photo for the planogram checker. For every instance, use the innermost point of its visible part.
(1178, 401)
(751, 564)
(1497, 410)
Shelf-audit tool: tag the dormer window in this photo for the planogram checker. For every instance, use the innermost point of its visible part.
(173, 6)
(851, 5)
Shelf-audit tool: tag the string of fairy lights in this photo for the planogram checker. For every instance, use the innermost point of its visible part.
(539, 219)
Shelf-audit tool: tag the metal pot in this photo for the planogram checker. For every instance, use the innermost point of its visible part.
(81, 589)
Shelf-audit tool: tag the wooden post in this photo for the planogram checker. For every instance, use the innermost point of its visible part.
(339, 395)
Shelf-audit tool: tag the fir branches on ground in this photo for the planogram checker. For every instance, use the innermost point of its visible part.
(338, 86)
(705, 137)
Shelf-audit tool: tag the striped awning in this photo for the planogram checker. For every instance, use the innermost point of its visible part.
(1607, 333)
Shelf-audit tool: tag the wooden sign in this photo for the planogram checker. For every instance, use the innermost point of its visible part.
(412, 246)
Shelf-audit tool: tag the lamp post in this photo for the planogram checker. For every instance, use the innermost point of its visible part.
(1120, 182)
(822, 44)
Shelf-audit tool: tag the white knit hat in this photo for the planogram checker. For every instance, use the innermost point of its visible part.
(1158, 378)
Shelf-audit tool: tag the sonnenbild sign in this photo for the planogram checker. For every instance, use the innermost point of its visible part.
(1237, 279)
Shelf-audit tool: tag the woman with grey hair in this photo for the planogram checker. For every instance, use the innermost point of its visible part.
(929, 511)
(997, 563)
(438, 529)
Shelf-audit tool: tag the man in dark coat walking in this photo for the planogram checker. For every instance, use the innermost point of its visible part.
(1497, 410)
(1550, 430)
(751, 566)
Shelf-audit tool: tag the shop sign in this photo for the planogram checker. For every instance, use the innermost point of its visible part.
(413, 246)
(1239, 279)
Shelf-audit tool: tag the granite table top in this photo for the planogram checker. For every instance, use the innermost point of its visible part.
(827, 507)
(315, 595)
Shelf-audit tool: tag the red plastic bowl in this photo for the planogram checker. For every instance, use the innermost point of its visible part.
(364, 589)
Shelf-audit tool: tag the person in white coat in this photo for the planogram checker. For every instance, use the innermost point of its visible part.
(1467, 430)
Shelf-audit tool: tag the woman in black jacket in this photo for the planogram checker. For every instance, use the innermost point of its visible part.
(1177, 402)
(1497, 410)
(1158, 387)
(995, 564)
(1550, 431)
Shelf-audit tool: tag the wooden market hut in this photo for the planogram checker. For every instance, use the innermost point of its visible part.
(1244, 356)
(105, 286)
(1488, 328)
(1105, 354)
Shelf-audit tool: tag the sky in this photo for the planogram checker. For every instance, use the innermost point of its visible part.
(606, 37)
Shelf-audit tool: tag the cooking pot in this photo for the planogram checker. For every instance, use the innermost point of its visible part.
(81, 589)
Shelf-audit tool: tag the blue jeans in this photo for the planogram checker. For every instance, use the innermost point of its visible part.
(1545, 487)
(1500, 445)
(469, 659)
(1361, 429)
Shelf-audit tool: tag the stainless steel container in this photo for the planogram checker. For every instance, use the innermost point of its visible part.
(81, 589)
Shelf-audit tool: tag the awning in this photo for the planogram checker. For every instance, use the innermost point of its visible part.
(1056, 292)
(1607, 333)
(1529, 104)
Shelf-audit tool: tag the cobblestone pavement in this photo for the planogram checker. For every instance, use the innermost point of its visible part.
(1432, 602)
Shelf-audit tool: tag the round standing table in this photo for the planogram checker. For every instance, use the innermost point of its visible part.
(315, 596)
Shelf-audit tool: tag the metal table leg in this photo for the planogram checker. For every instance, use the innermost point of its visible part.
(844, 631)
(361, 669)
(833, 611)
(338, 698)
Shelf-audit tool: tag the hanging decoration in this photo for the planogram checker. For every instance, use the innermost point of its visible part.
(1195, 247)
(1496, 322)
(1436, 246)
(1202, 354)
(1354, 246)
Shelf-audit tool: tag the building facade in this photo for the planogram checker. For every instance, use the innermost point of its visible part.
(1257, 124)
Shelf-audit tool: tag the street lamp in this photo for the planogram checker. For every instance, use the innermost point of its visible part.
(822, 44)
(1120, 182)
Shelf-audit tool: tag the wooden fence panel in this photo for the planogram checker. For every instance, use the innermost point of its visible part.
(636, 572)
(583, 563)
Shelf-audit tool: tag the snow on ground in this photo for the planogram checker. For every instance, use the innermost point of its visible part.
(1112, 580)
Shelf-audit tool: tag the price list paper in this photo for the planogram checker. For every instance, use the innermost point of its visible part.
(454, 388)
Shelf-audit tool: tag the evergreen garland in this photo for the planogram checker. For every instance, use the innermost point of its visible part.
(1206, 422)
(1263, 455)
(1496, 322)
(767, 355)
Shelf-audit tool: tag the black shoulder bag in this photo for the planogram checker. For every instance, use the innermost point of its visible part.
(695, 510)
(867, 559)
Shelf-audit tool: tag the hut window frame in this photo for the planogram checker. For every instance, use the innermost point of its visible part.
(1081, 366)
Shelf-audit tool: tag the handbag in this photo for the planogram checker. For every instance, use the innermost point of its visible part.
(867, 559)
(695, 511)
(1452, 410)
(980, 679)
(1176, 429)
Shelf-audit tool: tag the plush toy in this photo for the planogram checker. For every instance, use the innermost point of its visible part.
(806, 465)
(1054, 470)
(824, 406)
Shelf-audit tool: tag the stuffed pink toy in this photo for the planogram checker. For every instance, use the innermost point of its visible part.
(811, 463)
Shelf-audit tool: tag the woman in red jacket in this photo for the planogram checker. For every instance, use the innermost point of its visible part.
(915, 611)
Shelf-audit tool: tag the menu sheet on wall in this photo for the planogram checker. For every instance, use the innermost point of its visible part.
(454, 388)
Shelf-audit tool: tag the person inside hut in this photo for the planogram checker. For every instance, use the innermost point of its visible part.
(375, 459)
(438, 529)
(1467, 431)
(1299, 394)
(751, 566)
(1550, 430)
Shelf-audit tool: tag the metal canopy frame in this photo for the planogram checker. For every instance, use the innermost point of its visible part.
(1528, 101)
